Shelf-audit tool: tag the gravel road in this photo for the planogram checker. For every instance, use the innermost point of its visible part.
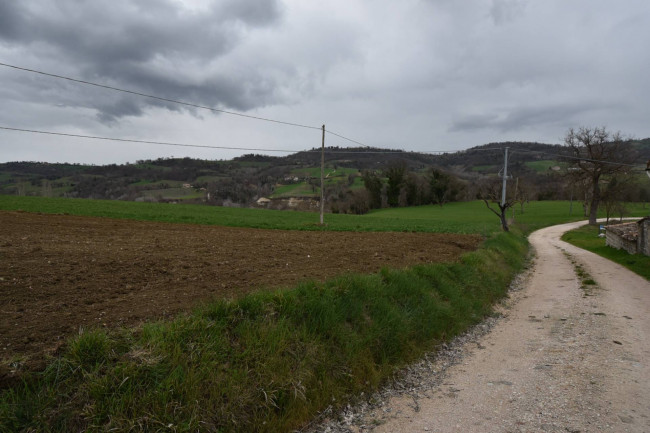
(566, 356)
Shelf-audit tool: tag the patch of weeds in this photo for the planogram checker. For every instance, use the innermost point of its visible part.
(587, 283)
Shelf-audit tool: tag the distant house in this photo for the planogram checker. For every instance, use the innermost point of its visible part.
(263, 201)
(633, 237)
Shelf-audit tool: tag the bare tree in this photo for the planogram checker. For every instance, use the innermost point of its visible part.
(598, 155)
(490, 193)
(614, 194)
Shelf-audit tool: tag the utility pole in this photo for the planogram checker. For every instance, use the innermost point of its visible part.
(322, 178)
(505, 178)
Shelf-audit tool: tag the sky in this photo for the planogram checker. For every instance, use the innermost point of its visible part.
(416, 75)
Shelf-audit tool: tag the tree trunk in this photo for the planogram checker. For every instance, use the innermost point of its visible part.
(595, 201)
(504, 222)
(504, 218)
(502, 214)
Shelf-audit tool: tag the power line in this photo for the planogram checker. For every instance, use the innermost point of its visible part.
(345, 138)
(577, 158)
(127, 140)
(188, 104)
(256, 149)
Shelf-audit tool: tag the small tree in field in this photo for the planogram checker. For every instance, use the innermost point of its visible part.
(490, 193)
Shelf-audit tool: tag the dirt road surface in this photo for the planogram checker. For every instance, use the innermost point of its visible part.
(563, 359)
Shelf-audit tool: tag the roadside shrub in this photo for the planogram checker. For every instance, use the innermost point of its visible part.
(89, 348)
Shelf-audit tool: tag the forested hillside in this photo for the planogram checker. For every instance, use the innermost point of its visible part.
(356, 179)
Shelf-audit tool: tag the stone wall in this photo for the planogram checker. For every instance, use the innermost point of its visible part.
(643, 240)
(622, 237)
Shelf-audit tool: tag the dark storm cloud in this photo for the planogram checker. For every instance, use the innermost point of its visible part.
(150, 46)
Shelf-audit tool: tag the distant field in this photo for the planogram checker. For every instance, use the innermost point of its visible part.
(545, 165)
(173, 193)
(465, 217)
(485, 168)
(329, 172)
(301, 189)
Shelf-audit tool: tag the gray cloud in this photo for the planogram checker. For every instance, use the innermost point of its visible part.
(150, 46)
(505, 11)
(414, 74)
(526, 116)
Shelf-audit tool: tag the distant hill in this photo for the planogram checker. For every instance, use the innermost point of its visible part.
(245, 179)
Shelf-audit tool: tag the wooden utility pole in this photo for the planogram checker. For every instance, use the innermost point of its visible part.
(322, 179)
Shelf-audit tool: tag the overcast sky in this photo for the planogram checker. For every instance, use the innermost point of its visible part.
(423, 75)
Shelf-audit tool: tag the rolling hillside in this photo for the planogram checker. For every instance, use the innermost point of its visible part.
(244, 180)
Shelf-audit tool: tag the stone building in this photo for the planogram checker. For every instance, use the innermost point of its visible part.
(633, 237)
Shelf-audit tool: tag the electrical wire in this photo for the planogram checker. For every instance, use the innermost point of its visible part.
(327, 150)
(601, 161)
(127, 140)
(345, 138)
(132, 92)
(188, 104)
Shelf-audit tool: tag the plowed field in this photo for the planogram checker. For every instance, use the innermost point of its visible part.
(59, 273)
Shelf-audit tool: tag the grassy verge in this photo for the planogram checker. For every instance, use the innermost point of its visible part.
(586, 237)
(267, 362)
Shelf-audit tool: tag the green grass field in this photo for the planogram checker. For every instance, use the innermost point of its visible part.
(586, 237)
(485, 168)
(465, 217)
(302, 189)
(545, 165)
(173, 193)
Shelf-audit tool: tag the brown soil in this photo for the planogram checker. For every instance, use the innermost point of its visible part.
(60, 273)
